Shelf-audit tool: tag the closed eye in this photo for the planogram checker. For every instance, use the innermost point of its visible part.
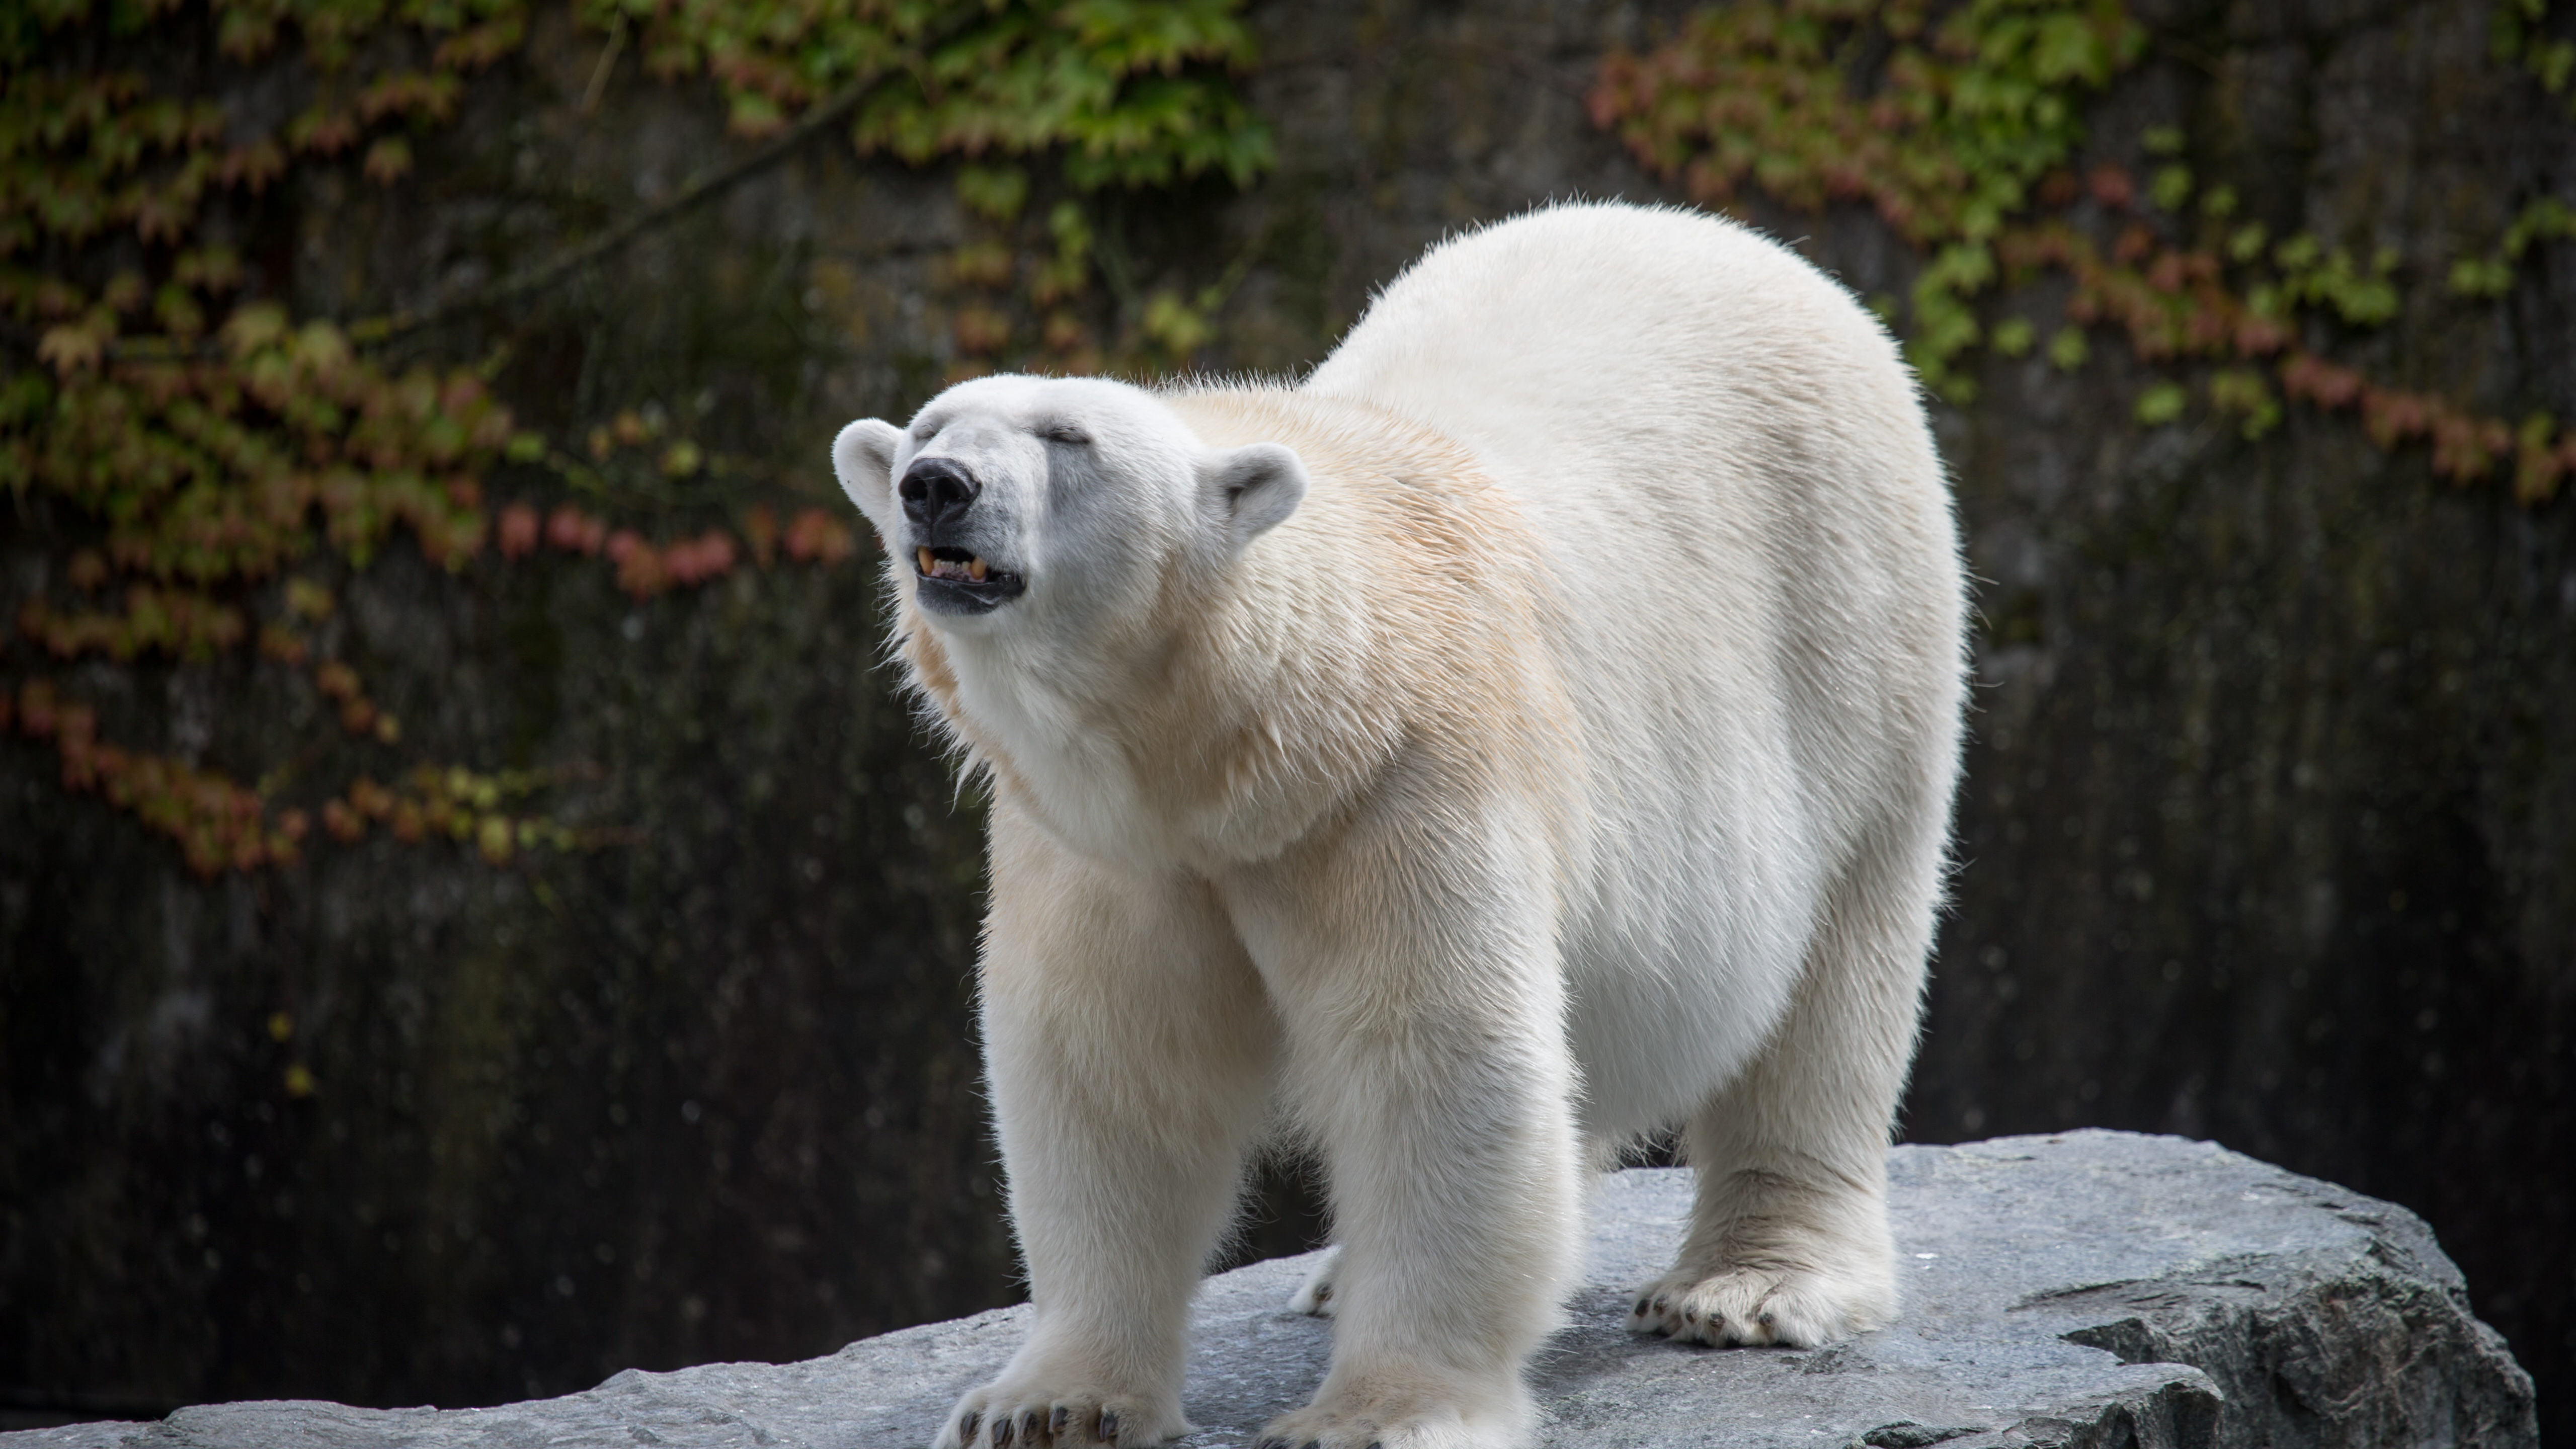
(1064, 433)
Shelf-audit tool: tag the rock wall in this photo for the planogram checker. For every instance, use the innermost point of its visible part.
(2267, 835)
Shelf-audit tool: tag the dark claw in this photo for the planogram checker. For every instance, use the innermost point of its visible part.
(1662, 1302)
(1109, 1426)
(1314, 1444)
(1029, 1427)
(1002, 1432)
(1690, 1315)
(967, 1426)
(1057, 1420)
(1768, 1320)
(1271, 1441)
(1324, 1294)
(1640, 1309)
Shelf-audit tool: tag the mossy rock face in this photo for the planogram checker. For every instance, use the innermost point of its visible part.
(398, 1123)
(2267, 833)
(2264, 837)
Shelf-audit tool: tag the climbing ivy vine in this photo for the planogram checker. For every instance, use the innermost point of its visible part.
(1961, 126)
(217, 462)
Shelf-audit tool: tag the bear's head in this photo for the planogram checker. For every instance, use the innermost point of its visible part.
(1016, 503)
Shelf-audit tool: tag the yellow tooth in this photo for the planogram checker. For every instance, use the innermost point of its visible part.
(976, 570)
(926, 565)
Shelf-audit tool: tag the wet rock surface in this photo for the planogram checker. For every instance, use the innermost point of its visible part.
(2089, 1288)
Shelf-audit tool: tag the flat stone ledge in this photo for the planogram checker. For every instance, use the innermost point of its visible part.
(2091, 1288)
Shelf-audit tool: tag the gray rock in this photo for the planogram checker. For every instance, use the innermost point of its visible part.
(2094, 1288)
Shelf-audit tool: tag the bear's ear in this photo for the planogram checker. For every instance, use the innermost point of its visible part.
(1256, 488)
(863, 455)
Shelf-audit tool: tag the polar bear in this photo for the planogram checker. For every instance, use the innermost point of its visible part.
(1536, 729)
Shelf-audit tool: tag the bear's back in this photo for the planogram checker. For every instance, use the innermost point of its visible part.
(1613, 326)
(1717, 444)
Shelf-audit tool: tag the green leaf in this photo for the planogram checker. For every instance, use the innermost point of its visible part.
(994, 192)
(2171, 188)
(2161, 403)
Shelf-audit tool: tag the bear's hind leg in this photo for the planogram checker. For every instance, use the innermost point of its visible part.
(1789, 1241)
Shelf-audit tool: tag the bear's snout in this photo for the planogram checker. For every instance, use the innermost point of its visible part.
(936, 493)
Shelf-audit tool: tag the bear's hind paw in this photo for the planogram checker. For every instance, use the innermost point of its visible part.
(1316, 1296)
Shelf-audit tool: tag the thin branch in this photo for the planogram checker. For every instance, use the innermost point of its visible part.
(374, 330)
(607, 62)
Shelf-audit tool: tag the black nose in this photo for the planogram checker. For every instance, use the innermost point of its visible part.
(936, 491)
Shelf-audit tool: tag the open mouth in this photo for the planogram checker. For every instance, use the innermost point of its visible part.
(951, 563)
(953, 579)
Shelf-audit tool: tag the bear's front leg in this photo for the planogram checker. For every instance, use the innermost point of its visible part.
(1130, 1056)
(1418, 985)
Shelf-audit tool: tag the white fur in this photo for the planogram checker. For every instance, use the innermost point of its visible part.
(1537, 729)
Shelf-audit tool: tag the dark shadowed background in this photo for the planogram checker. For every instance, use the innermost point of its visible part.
(2269, 832)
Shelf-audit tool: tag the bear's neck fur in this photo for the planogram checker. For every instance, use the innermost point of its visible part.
(1389, 619)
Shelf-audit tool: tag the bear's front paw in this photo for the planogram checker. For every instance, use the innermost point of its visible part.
(1753, 1307)
(1012, 1415)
